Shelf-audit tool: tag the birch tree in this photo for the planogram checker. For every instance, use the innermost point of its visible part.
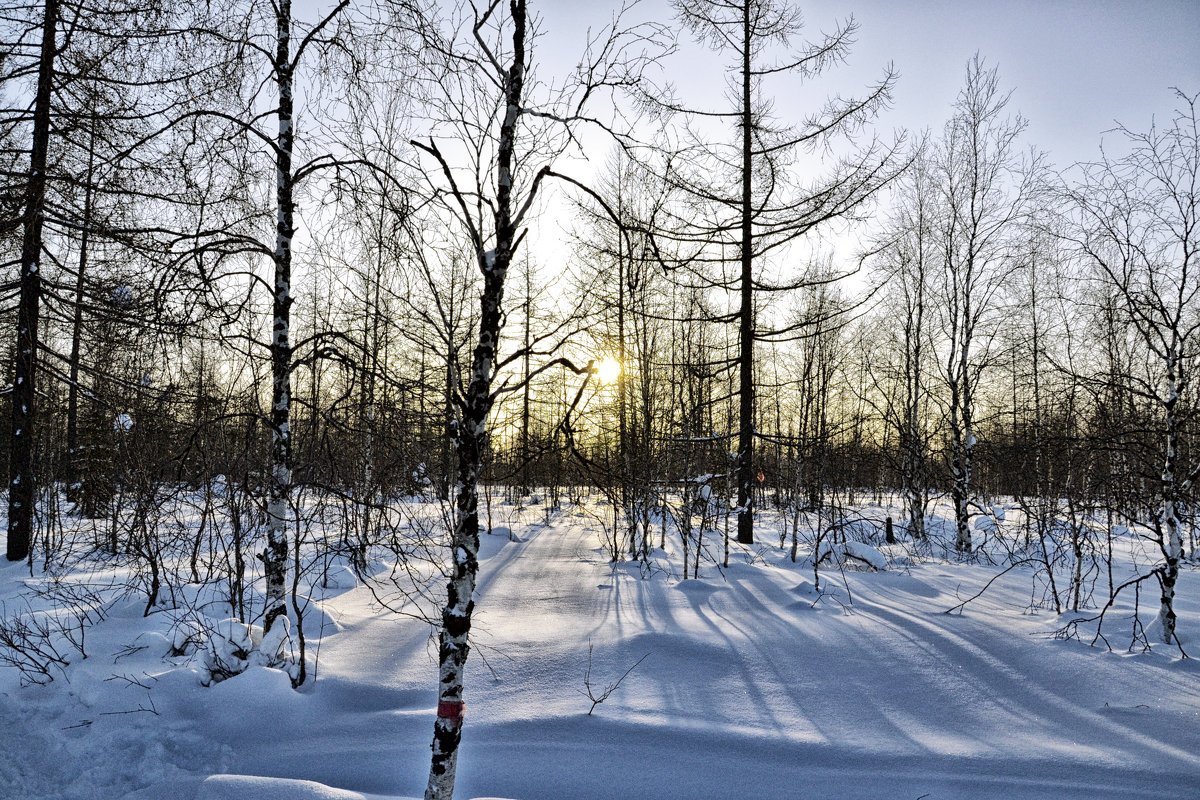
(496, 137)
(1138, 226)
(984, 183)
(271, 42)
(908, 263)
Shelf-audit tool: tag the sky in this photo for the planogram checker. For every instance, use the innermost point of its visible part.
(1075, 67)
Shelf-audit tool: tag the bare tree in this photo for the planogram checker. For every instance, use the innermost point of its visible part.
(81, 63)
(746, 197)
(983, 185)
(1138, 225)
(497, 135)
(269, 38)
(21, 489)
(628, 289)
(908, 262)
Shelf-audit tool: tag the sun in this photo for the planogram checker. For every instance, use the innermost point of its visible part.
(608, 370)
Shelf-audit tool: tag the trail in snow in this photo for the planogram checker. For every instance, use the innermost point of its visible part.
(886, 689)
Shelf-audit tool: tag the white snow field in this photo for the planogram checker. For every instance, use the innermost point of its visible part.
(753, 686)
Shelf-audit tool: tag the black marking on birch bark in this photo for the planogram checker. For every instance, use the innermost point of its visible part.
(456, 624)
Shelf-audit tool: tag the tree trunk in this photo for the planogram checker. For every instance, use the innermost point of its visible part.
(745, 460)
(21, 490)
(1173, 544)
(470, 438)
(960, 466)
(275, 556)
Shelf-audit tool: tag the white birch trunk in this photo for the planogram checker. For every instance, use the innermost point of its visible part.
(1173, 544)
(275, 556)
(470, 437)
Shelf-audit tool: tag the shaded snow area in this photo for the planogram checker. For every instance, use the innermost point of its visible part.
(760, 680)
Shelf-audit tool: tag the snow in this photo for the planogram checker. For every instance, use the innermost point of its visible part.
(866, 553)
(985, 524)
(244, 787)
(759, 683)
(839, 552)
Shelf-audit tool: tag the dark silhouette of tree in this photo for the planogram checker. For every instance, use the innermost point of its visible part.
(746, 197)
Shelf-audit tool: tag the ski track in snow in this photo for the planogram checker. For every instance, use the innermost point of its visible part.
(890, 690)
(753, 688)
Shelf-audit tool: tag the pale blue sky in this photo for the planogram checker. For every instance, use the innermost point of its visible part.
(1075, 66)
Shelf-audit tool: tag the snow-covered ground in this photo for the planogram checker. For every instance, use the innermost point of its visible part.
(753, 685)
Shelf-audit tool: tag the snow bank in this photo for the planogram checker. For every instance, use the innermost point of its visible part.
(839, 552)
(985, 525)
(245, 787)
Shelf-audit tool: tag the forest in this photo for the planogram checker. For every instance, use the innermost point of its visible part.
(324, 315)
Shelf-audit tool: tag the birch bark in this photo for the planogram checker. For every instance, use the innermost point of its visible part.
(470, 436)
(275, 556)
